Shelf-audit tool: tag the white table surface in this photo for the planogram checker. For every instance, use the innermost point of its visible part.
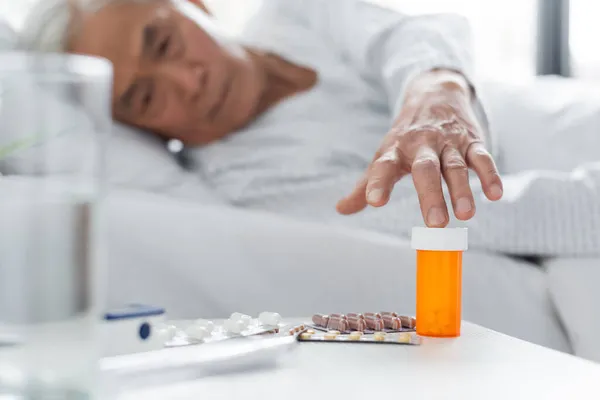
(481, 364)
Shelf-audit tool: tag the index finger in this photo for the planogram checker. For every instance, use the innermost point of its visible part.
(356, 201)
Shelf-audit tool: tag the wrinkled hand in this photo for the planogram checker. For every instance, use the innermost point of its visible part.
(436, 135)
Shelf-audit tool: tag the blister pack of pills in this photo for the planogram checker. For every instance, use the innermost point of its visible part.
(399, 338)
(201, 331)
(367, 323)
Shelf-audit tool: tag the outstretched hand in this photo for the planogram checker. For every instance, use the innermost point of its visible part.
(436, 135)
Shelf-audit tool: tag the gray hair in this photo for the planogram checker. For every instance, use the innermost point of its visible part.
(48, 26)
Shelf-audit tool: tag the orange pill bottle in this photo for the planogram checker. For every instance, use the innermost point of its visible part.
(439, 279)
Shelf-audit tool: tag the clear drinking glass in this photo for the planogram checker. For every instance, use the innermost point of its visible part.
(55, 116)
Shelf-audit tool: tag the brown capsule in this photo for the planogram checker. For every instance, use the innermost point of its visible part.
(320, 320)
(391, 322)
(388, 314)
(408, 322)
(374, 323)
(372, 315)
(355, 315)
(337, 324)
(357, 324)
(340, 316)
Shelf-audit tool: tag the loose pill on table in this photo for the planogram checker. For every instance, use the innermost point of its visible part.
(311, 331)
(357, 324)
(320, 320)
(374, 323)
(204, 323)
(379, 336)
(269, 318)
(355, 335)
(391, 322)
(337, 324)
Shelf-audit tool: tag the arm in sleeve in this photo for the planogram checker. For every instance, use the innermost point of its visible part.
(392, 48)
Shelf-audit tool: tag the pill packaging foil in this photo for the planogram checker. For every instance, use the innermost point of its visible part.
(366, 331)
(410, 327)
(180, 338)
(397, 338)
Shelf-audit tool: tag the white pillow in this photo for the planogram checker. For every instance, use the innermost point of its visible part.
(134, 159)
(549, 123)
(139, 160)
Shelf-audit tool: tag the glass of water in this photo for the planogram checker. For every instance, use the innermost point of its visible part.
(55, 116)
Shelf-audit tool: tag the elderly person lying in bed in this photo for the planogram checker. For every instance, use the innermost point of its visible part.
(312, 96)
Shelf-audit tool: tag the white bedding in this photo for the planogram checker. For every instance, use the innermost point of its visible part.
(574, 287)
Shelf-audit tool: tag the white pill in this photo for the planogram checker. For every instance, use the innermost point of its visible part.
(404, 338)
(269, 318)
(379, 336)
(237, 315)
(246, 319)
(234, 325)
(306, 335)
(204, 323)
(168, 332)
(197, 332)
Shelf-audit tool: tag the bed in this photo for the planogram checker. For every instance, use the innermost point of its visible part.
(208, 260)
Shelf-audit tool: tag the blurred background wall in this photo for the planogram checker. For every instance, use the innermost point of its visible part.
(514, 39)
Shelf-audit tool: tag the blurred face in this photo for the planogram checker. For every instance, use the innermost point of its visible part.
(171, 76)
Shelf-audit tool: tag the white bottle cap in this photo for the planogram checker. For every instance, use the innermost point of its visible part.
(439, 239)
